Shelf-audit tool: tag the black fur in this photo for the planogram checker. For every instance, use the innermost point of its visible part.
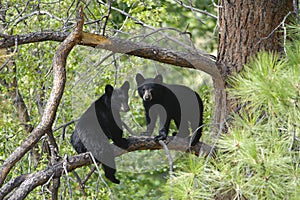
(170, 102)
(101, 122)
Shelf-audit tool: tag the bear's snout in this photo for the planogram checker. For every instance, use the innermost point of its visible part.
(147, 95)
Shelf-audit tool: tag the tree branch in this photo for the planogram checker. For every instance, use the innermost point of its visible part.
(12, 184)
(59, 79)
(193, 60)
(174, 143)
(29, 182)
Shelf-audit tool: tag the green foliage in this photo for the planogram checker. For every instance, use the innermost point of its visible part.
(259, 158)
(269, 83)
(255, 162)
(187, 181)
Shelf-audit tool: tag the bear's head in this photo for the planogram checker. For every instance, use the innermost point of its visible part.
(118, 97)
(147, 88)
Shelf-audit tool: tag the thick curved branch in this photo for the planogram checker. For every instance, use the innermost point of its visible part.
(193, 60)
(29, 182)
(12, 184)
(173, 143)
(42, 177)
(59, 79)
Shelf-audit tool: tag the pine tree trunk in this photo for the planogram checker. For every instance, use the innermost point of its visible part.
(245, 28)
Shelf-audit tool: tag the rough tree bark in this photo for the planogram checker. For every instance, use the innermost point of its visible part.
(245, 28)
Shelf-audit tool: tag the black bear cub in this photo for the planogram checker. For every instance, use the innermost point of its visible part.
(101, 122)
(170, 102)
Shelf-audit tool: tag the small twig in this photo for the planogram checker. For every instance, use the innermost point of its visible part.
(170, 163)
(275, 29)
(49, 71)
(148, 26)
(89, 175)
(114, 61)
(69, 15)
(213, 147)
(67, 176)
(91, 74)
(215, 5)
(125, 20)
(46, 184)
(284, 37)
(38, 12)
(66, 124)
(160, 31)
(64, 127)
(54, 158)
(106, 17)
(128, 129)
(194, 133)
(193, 9)
(98, 170)
(80, 182)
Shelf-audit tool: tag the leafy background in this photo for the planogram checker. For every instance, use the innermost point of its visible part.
(259, 159)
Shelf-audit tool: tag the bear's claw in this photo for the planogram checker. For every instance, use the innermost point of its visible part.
(160, 137)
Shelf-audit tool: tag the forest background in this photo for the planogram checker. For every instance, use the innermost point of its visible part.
(257, 159)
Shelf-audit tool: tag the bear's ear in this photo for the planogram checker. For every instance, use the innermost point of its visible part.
(158, 79)
(109, 90)
(139, 79)
(125, 86)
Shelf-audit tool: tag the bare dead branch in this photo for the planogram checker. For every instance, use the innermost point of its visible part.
(137, 21)
(29, 182)
(39, 12)
(65, 125)
(275, 29)
(106, 18)
(33, 37)
(54, 158)
(98, 170)
(174, 143)
(116, 45)
(59, 79)
(86, 178)
(170, 163)
(81, 183)
(12, 184)
(41, 177)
